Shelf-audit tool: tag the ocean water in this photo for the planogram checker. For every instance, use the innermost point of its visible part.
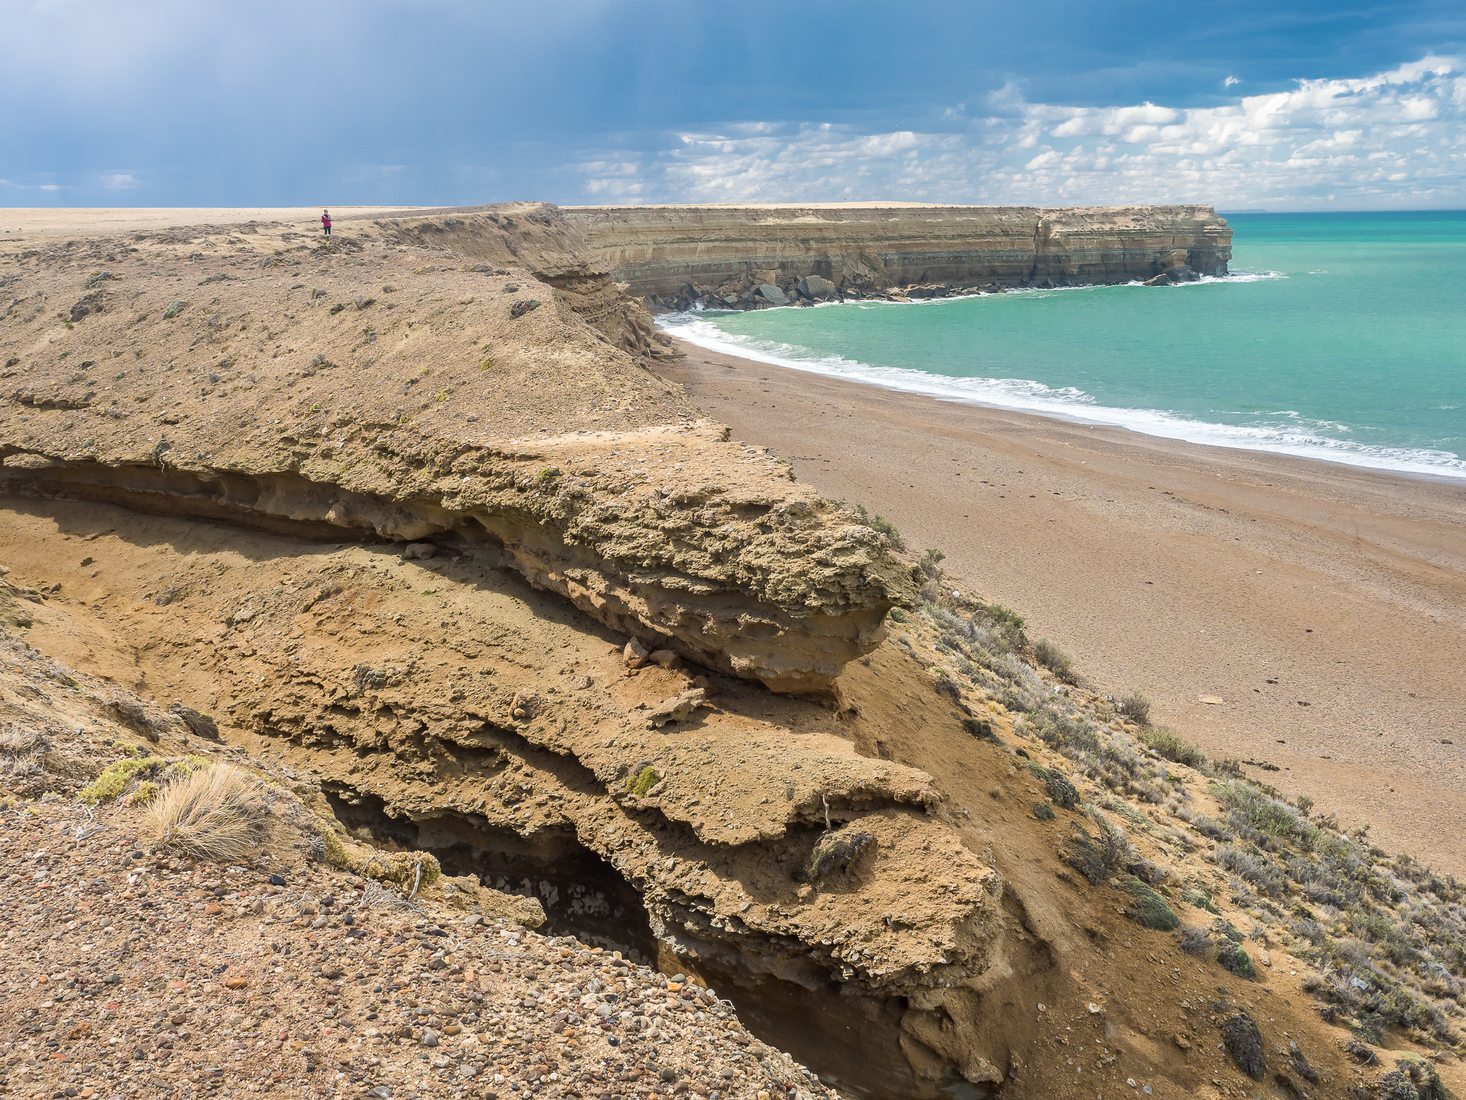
(1337, 336)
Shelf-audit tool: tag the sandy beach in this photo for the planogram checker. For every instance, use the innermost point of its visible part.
(1324, 605)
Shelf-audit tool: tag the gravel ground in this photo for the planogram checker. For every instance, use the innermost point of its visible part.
(131, 972)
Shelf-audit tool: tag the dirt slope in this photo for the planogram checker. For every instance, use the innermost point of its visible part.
(138, 970)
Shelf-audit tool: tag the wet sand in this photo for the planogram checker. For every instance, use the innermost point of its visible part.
(1324, 605)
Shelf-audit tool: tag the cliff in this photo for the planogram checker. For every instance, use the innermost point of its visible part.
(723, 255)
(400, 384)
(410, 517)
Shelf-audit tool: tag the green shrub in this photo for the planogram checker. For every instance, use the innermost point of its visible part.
(1199, 898)
(1061, 791)
(1135, 707)
(883, 525)
(1055, 660)
(1234, 957)
(1243, 1042)
(1005, 619)
(982, 729)
(947, 686)
(1043, 811)
(1100, 855)
(1412, 1079)
(1253, 809)
(1254, 866)
(1147, 908)
(115, 779)
(931, 564)
(1169, 745)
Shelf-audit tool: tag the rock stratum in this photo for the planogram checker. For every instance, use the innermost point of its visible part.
(412, 519)
(402, 397)
(745, 257)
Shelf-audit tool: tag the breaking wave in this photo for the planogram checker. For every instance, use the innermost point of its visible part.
(1282, 431)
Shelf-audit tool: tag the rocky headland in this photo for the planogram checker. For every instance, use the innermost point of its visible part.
(408, 524)
(752, 257)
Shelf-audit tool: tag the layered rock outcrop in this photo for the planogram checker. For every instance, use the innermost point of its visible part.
(750, 256)
(397, 384)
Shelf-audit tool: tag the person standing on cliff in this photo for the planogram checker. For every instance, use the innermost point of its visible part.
(326, 222)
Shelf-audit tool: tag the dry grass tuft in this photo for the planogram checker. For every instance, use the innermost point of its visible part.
(214, 813)
(15, 741)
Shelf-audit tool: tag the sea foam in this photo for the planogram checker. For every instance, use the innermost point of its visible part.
(1295, 435)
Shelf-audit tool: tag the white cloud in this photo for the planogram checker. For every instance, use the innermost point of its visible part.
(1231, 81)
(120, 181)
(1393, 138)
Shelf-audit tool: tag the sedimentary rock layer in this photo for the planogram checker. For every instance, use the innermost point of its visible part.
(392, 384)
(675, 253)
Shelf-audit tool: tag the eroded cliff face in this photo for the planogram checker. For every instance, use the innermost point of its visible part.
(722, 255)
(384, 387)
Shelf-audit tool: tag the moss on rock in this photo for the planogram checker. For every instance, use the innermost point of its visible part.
(114, 780)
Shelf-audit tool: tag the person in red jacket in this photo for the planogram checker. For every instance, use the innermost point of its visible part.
(326, 222)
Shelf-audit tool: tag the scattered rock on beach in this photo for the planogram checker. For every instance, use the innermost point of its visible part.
(816, 288)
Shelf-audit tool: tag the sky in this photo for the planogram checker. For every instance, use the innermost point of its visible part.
(1246, 105)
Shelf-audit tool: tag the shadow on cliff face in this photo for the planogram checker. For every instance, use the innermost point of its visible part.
(582, 895)
(853, 1042)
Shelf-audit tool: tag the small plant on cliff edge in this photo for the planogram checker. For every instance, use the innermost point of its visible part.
(881, 524)
(643, 781)
(835, 853)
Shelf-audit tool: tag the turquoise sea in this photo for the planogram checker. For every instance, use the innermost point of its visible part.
(1337, 336)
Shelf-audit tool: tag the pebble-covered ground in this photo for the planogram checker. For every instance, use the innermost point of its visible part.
(134, 973)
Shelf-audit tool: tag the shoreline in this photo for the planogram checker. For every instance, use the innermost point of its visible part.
(1324, 603)
(932, 387)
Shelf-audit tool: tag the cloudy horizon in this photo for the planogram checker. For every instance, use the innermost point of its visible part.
(439, 102)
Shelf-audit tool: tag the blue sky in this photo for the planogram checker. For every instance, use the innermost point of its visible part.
(327, 102)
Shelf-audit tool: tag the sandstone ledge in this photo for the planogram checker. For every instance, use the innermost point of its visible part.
(474, 380)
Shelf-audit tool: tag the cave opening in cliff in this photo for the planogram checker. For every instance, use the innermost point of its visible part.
(582, 895)
(852, 1040)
